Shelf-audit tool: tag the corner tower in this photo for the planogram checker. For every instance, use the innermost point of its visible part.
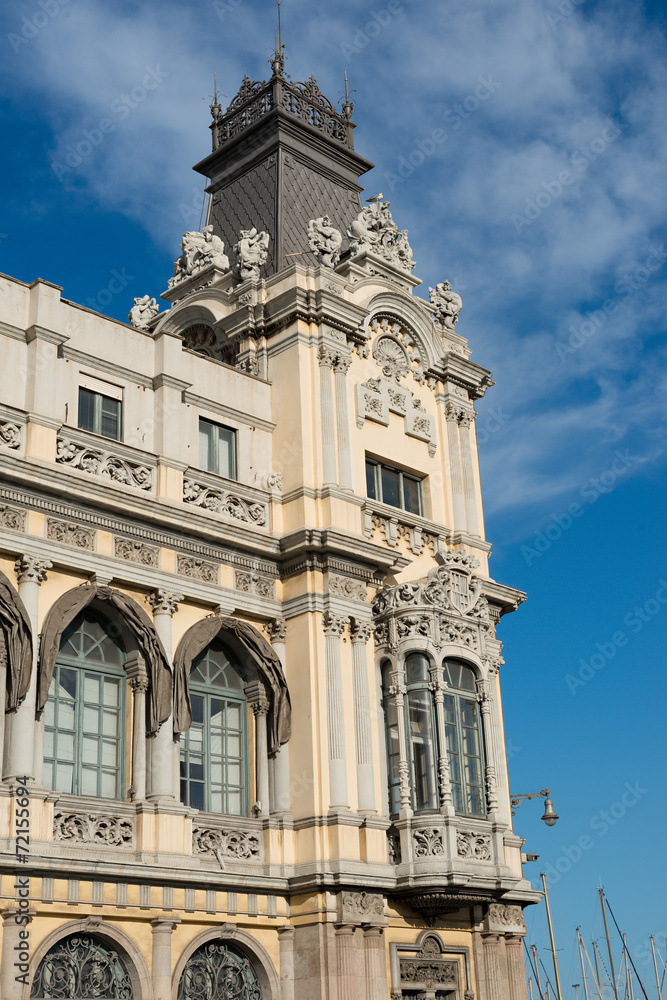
(281, 151)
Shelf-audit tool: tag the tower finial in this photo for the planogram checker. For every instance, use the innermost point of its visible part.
(214, 106)
(348, 106)
(278, 61)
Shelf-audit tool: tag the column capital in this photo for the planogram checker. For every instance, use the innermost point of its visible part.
(31, 569)
(165, 923)
(333, 624)
(164, 602)
(325, 356)
(135, 668)
(453, 412)
(361, 631)
(341, 363)
(345, 930)
(276, 630)
(255, 692)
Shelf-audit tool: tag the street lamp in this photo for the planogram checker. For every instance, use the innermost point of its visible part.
(549, 816)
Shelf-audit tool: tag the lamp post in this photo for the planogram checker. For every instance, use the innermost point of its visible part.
(549, 816)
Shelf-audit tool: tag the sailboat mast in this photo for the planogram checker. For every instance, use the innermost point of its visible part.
(559, 992)
(583, 970)
(628, 981)
(606, 931)
(537, 970)
(655, 966)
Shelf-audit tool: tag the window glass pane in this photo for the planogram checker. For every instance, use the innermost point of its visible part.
(87, 410)
(206, 445)
(416, 669)
(390, 487)
(91, 720)
(197, 708)
(422, 742)
(67, 682)
(234, 803)
(110, 418)
(226, 452)
(64, 780)
(370, 480)
(91, 688)
(196, 796)
(412, 491)
(89, 780)
(66, 746)
(216, 801)
(111, 693)
(109, 788)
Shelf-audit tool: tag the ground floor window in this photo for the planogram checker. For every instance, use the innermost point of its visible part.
(81, 967)
(216, 971)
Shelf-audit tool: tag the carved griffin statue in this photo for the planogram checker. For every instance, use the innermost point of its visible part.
(199, 250)
(374, 231)
(325, 240)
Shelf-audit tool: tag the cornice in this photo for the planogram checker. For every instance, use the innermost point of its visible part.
(229, 412)
(36, 332)
(108, 367)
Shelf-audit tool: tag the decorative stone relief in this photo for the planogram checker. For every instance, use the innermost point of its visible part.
(252, 583)
(70, 533)
(224, 844)
(325, 240)
(31, 568)
(429, 971)
(10, 435)
(197, 569)
(102, 463)
(506, 917)
(109, 831)
(345, 586)
(13, 518)
(476, 846)
(406, 356)
(362, 907)
(199, 251)
(273, 481)
(143, 312)
(446, 305)
(276, 630)
(374, 231)
(394, 849)
(251, 252)
(378, 397)
(136, 552)
(211, 343)
(164, 602)
(223, 502)
(427, 843)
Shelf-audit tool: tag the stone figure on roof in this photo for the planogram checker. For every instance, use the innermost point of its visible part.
(325, 240)
(144, 310)
(374, 231)
(251, 252)
(199, 250)
(446, 304)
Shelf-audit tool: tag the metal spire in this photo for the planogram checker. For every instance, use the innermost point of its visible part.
(278, 61)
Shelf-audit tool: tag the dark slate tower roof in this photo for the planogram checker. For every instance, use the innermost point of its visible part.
(282, 155)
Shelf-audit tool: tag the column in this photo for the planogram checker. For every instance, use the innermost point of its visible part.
(333, 629)
(259, 701)
(376, 965)
(484, 699)
(325, 358)
(161, 962)
(3, 694)
(492, 968)
(340, 367)
(516, 970)
(286, 945)
(281, 802)
(466, 420)
(13, 937)
(163, 749)
(135, 668)
(360, 633)
(438, 686)
(24, 755)
(398, 691)
(452, 414)
(348, 980)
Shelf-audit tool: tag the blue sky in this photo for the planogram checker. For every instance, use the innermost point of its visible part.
(522, 143)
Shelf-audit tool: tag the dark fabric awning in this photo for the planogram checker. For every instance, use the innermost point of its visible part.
(248, 645)
(65, 610)
(17, 634)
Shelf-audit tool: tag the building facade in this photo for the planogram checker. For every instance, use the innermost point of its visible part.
(253, 744)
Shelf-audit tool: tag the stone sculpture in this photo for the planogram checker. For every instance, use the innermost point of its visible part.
(144, 310)
(374, 231)
(251, 252)
(199, 251)
(446, 304)
(325, 240)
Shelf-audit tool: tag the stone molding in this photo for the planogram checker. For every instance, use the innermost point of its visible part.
(12, 518)
(91, 828)
(473, 845)
(225, 502)
(393, 526)
(137, 552)
(253, 583)
(345, 586)
(197, 569)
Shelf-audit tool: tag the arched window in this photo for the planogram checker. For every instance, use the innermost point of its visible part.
(464, 740)
(217, 971)
(84, 717)
(79, 967)
(214, 751)
(419, 719)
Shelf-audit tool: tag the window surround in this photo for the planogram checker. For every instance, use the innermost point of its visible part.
(211, 436)
(375, 467)
(102, 393)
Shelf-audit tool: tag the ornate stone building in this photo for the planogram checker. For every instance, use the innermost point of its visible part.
(253, 739)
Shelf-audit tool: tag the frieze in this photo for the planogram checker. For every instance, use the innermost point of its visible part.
(96, 462)
(252, 583)
(505, 916)
(427, 843)
(136, 551)
(363, 907)
(197, 569)
(474, 846)
(225, 844)
(70, 533)
(12, 518)
(345, 586)
(109, 831)
(10, 435)
(222, 501)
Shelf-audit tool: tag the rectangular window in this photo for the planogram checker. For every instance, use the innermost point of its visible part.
(217, 449)
(100, 407)
(394, 487)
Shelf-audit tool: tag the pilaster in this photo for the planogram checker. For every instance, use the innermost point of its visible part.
(334, 626)
(360, 633)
